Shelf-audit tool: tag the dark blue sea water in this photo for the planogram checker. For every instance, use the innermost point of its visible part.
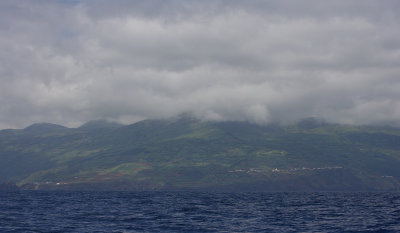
(198, 212)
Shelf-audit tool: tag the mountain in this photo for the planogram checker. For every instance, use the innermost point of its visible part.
(99, 125)
(184, 153)
(44, 128)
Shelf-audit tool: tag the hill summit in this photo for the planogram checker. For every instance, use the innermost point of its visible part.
(44, 128)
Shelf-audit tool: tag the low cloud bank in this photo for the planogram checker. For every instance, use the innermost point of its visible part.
(265, 61)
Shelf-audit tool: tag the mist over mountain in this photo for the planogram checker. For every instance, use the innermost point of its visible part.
(263, 94)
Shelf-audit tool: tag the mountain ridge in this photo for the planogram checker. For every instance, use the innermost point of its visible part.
(186, 153)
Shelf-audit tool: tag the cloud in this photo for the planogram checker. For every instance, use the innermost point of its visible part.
(261, 61)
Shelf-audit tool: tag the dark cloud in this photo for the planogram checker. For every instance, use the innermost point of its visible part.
(263, 61)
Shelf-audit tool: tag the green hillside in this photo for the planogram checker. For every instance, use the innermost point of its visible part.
(185, 153)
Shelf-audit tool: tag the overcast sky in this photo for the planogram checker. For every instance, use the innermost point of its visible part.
(68, 62)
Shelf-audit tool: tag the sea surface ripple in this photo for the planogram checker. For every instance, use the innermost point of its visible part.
(68, 211)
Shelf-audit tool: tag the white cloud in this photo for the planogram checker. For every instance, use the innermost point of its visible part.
(260, 61)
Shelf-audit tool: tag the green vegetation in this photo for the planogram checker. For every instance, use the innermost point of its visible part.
(187, 153)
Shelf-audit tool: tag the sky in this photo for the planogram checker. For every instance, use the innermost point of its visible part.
(68, 62)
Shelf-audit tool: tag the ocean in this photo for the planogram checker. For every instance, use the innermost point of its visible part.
(72, 211)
